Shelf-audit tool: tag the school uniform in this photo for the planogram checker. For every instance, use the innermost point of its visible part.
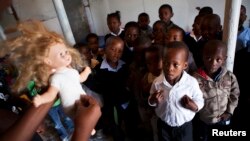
(175, 120)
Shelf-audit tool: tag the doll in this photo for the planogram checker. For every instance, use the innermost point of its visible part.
(44, 57)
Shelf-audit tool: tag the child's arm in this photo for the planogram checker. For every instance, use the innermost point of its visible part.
(46, 97)
(233, 99)
(84, 74)
(188, 103)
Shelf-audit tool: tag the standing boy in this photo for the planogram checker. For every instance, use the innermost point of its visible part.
(176, 95)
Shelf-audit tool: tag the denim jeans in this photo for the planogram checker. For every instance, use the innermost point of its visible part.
(63, 124)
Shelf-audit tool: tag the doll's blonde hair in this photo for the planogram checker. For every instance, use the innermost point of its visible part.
(28, 51)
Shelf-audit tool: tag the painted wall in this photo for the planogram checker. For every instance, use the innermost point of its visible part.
(184, 11)
(35, 9)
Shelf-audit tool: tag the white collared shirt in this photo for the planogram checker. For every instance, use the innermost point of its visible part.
(194, 37)
(170, 109)
(112, 33)
(105, 65)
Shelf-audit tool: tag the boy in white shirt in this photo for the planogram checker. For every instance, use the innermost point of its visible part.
(176, 95)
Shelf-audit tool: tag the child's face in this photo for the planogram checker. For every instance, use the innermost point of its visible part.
(131, 35)
(196, 26)
(59, 56)
(173, 35)
(114, 51)
(114, 24)
(158, 33)
(243, 16)
(213, 58)
(165, 14)
(154, 63)
(143, 22)
(174, 62)
(93, 44)
(86, 52)
(209, 29)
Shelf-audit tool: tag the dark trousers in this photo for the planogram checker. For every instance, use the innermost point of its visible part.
(204, 131)
(181, 133)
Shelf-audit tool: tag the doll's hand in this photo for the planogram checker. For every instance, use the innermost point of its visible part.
(37, 100)
(188, 103)
(88, 70)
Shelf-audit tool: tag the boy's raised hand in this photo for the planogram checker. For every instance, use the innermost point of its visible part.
(188, 103)
(157, 97)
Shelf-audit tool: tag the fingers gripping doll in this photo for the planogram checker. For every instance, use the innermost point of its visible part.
(44, 57)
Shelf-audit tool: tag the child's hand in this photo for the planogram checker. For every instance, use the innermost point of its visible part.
(188, 103)
(157, 97)
(37, 100)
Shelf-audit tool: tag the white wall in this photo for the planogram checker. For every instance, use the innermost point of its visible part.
(184, 11)
(40, 10)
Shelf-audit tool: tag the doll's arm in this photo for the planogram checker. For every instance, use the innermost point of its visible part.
(84, 74)
(46, 97)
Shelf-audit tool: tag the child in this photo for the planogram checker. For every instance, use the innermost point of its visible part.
(165, 15)
(192, 39)
(111, 81)
(86, 54)
(243, 32)
(93, 44)
(131, 34)
(159, 32)
(138, 68)
(176, 95)
(211, 29)
(176, 33)
(154, 69)
(205, 10)
(114, 25)
(143, 22)
(220, 89)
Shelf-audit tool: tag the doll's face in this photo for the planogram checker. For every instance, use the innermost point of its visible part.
(59, 56)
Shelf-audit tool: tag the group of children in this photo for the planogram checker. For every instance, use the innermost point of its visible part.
(153, 77)
(156, 83)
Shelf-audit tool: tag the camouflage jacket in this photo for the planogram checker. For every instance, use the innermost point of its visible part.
(220, 96)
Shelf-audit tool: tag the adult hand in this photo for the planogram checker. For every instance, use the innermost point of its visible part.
(87, 114)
